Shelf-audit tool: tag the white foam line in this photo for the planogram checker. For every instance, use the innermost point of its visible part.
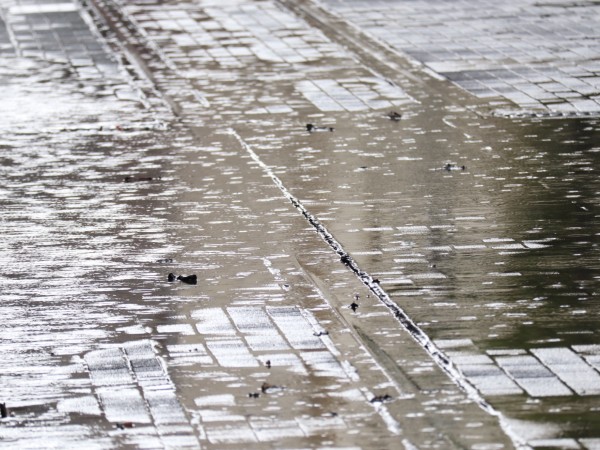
(417, 333)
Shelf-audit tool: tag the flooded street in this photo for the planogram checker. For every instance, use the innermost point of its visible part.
(365, 280)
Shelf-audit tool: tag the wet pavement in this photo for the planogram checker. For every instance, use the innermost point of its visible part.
(147, 138)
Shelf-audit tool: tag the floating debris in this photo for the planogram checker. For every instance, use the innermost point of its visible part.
(395, 116)
(266, 388)
(381, 398)
(452, 166)
(311, 128)
(188, 279)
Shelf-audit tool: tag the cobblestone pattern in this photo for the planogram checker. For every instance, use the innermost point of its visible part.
(57, 32)
(542, 57)
(131, 385)
(263, 37)
(352, 94)
(248, 337)
(541, 372)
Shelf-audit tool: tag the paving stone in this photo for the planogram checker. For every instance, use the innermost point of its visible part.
(474, 48)
(231, 352)
(532, 376)
(571, 369)
(295, 328)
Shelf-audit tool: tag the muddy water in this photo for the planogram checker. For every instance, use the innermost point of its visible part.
(496, 261)
(502, 254)
(99, 349)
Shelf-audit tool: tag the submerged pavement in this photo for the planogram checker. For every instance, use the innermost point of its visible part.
(147, 138)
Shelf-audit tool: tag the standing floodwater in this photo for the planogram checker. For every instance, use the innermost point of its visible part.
(205, 208)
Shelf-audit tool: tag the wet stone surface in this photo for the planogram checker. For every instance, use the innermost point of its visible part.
(541, 56)
(193, 158)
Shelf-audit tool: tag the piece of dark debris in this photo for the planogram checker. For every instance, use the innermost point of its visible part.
(130, 179)
(395, 116)
(452, 166)
(188, 279)
(321, 333)
(266, 388)
(312, 128)
(381, 398)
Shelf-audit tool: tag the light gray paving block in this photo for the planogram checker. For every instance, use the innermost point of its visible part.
(108, 367)
(323, 364)
(250, 319)
(165, 407)
(232, 434)
(593, 349)
(260, 330)
(266, 342)
(320, 99)
(453, 343)
(294, 326)
(489, 379)
(146, 367)
(231, 352)
(590, 443)
(351, 94)
(179, 328)
(532, 376)
(314, 425)
(213, 321)
(571, 369)
(123, 405)
(179, 440)
(495, 384)
(591, 353)
(565, 443)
